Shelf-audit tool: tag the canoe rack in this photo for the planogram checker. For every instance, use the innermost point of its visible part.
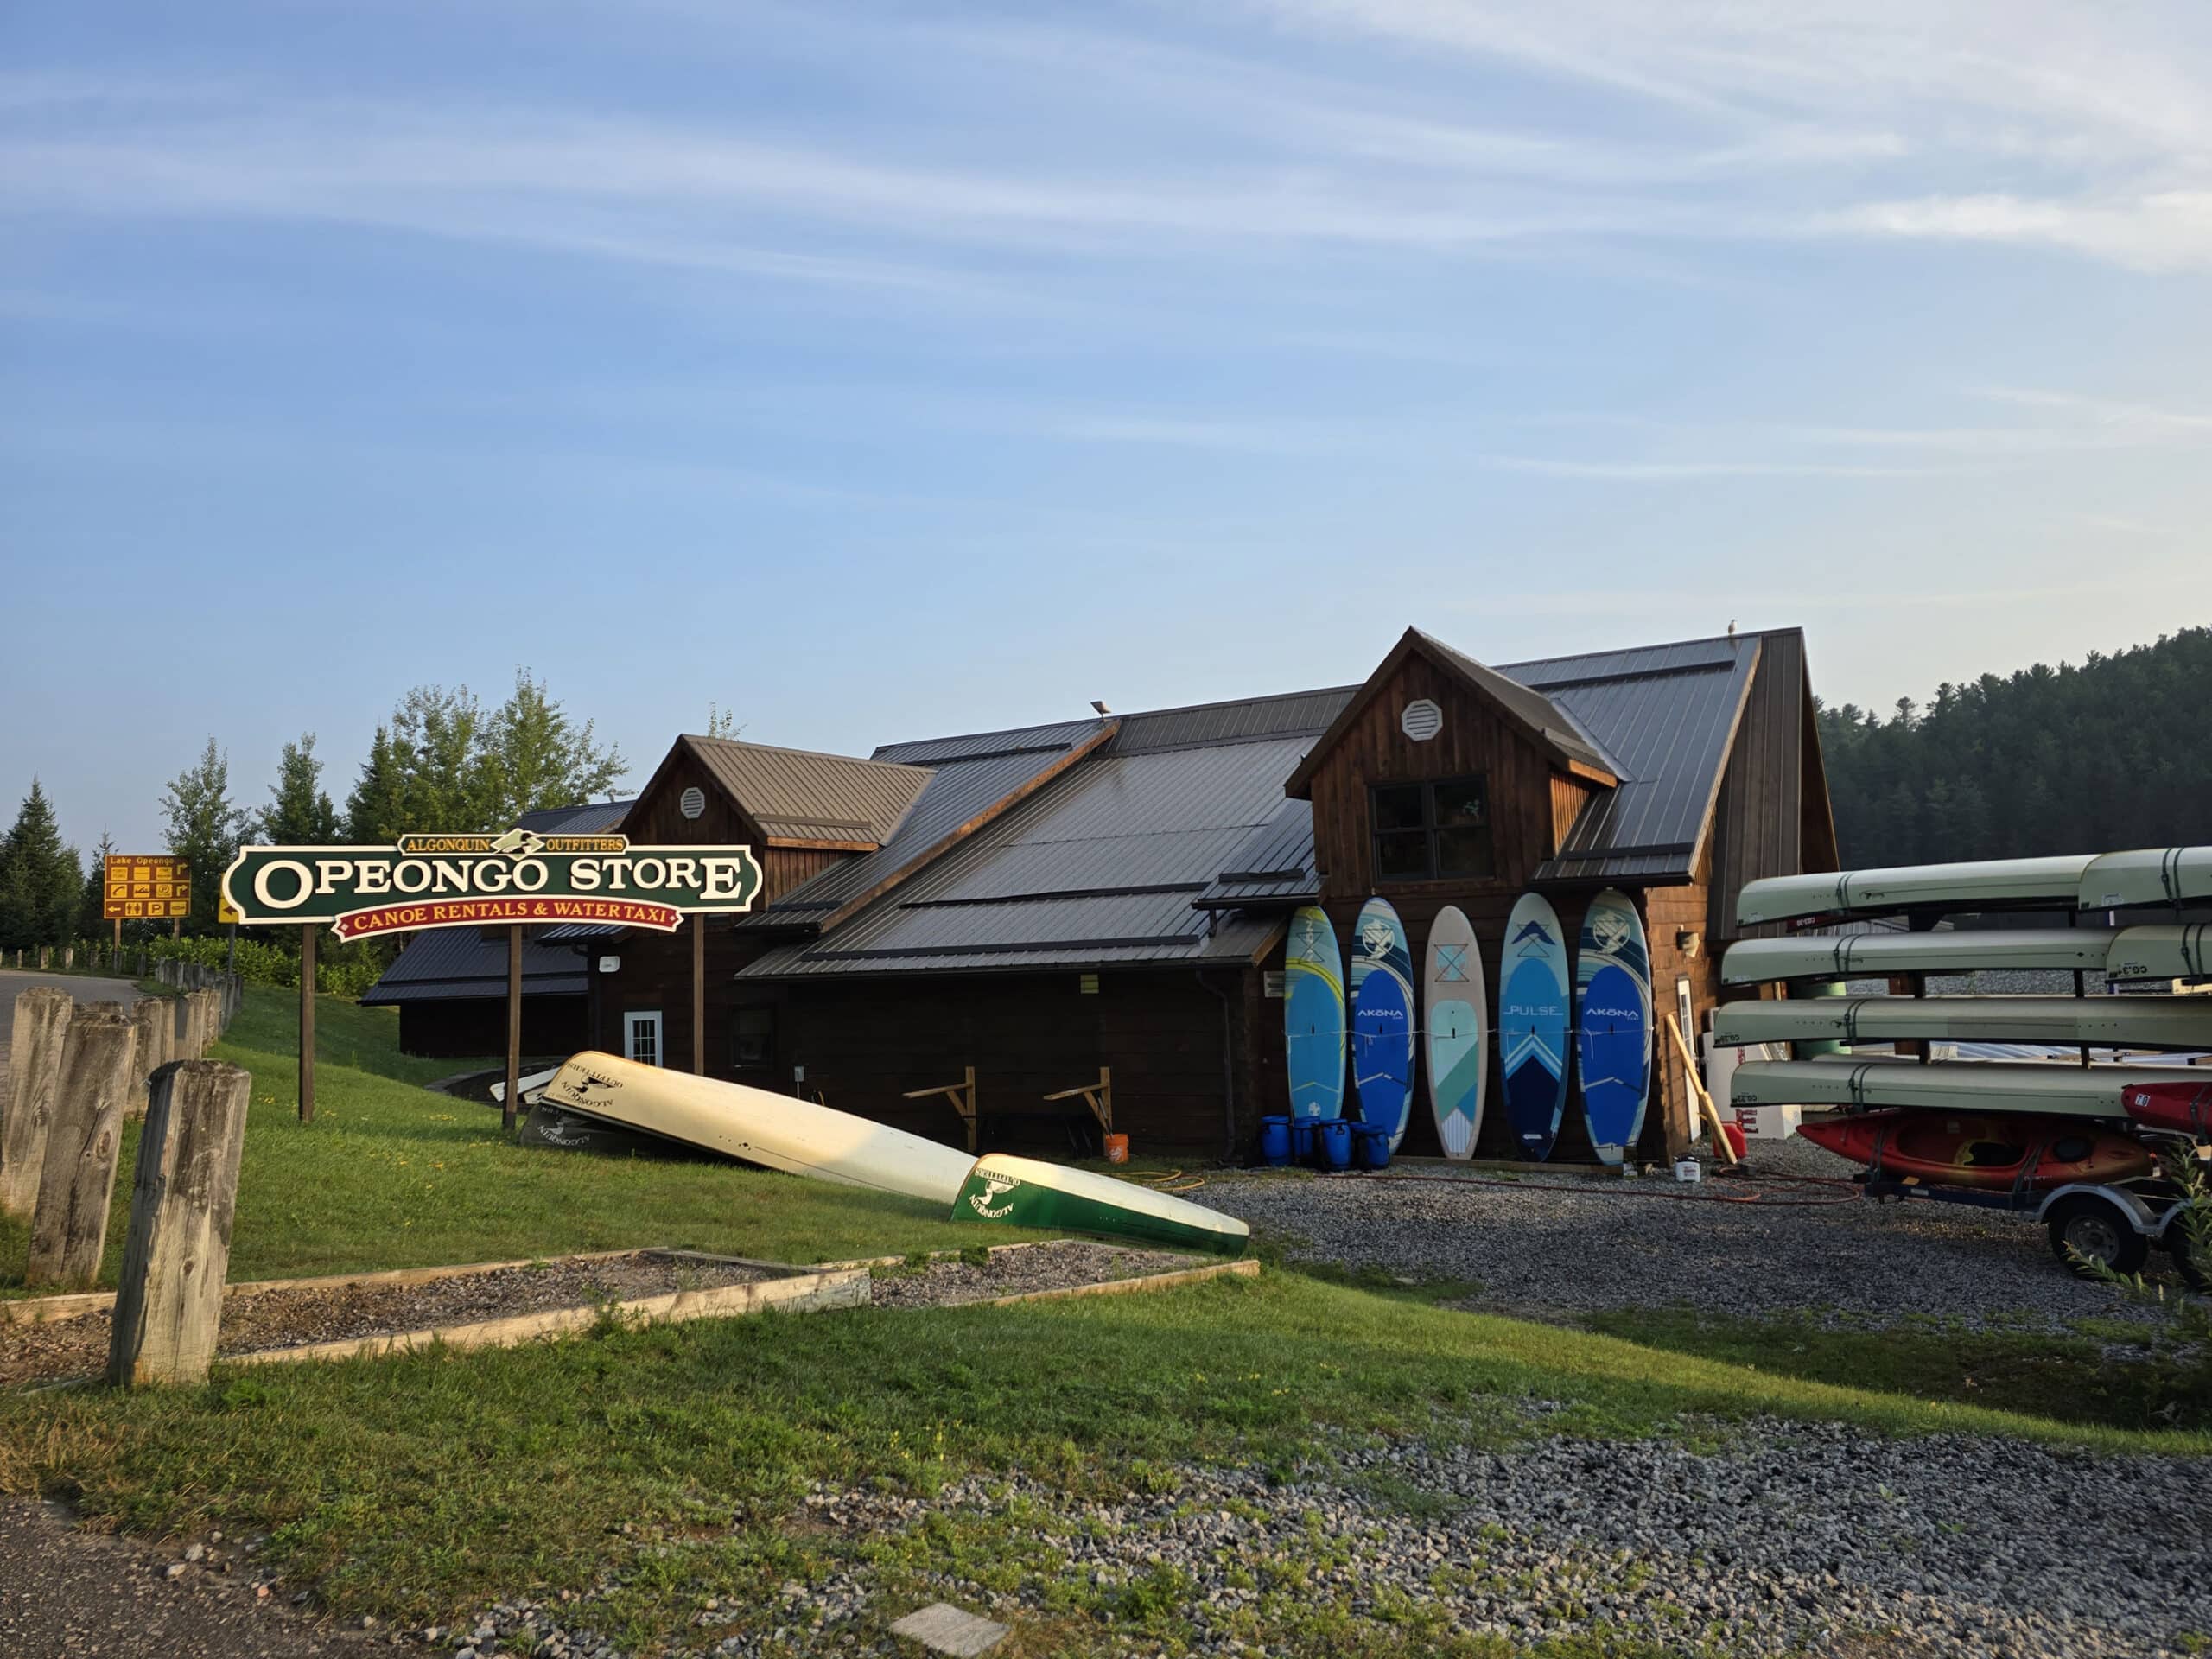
(1098, 1095)
(963, 1096)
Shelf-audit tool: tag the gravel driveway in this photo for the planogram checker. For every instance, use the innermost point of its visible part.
(1558, 1243)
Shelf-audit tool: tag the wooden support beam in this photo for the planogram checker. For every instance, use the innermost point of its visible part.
(84, 1137)
(307, 1025)
(699, 996)
(183, 1202)
(1721, 1147)
(963, 1096)
(514, 1030)
(1098, 1095)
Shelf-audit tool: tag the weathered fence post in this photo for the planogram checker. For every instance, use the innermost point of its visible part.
(34, 1066)
(169, 1300)
(211, 1018)
(69, 1228)
(155, 1032)
(181, 1029)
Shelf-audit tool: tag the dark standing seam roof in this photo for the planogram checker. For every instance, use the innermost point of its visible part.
(592, 818)
(458, 962)
(1667, 714)
(1102, 865)
(1274, 865)
(797, 795)
(1532, 708)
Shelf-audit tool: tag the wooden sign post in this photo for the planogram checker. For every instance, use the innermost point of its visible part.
(698, 996)
(513, 1099)
(307, 1025)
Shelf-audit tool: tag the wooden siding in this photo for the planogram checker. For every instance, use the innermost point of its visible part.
(1758, 817)
(1669, 913)
(1475, 738)
(657, 818)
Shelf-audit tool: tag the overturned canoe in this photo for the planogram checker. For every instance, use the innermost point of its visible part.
(1990, 884)
(1752, 962)
(2149, 875)
(778, 1131)
(1950, 1086)
(2183, 951)
(1024, 1192)
(2183, 1022)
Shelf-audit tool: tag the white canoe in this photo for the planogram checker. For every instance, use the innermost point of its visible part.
(777, 1130)
(2149, 875)
(1989, 884)
(1951, 1085)
(1751, 961)
(2103, 1021)
(1051, 1197)
(2178, 953)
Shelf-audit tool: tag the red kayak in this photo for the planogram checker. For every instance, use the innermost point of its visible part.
(1991, 1151)
(2183, 1108)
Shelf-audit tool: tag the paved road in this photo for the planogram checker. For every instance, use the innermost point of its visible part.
(71, 1594)
(85, 987)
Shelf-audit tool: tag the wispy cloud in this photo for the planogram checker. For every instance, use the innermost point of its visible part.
(1676, 472)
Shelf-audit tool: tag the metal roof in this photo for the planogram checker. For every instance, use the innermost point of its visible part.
(459, 962)
(591, 818)
(1666, 715)
(1101, 864)
(976, 746)
(1274, 867)
(800, 795)
(1557, 725)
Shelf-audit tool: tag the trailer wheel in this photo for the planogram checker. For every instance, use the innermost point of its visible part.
(2088, 1232)
(2192, 1257)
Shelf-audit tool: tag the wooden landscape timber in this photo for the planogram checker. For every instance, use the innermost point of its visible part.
(84, 1139)
(1247, 1268)
(155, 1032)
(183, 1202)
(35, 1067)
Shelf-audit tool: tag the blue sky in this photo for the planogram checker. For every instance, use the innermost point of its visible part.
(882, 370)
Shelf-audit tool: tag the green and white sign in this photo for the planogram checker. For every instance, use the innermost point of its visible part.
(481, 880)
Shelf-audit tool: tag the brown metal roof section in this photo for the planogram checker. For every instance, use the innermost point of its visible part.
(800, 797)
(1569, 747)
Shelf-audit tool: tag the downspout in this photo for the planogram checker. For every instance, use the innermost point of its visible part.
(1228, 1071)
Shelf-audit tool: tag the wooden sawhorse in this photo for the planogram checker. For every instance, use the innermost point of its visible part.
(1098, 1095)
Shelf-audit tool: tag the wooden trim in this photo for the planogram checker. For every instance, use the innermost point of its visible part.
(1246, 1267)
(1727, 754)
(945, 843)
(1592, 774)
(1276, 935)
(684, 746)
(803, 844)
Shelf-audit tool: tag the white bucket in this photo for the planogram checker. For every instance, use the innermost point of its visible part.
(1688, 1169)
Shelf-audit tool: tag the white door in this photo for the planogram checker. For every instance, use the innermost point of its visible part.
(641, 1038)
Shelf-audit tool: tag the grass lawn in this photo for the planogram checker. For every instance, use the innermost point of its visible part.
(389, 1175)
(673, 1459)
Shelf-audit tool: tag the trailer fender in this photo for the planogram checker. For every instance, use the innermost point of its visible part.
(2144, 1219)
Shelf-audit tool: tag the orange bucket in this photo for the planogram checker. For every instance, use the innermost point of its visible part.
(1117, 1148)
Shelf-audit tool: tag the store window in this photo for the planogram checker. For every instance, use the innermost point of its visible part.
(1431, 831)
(753, 1039)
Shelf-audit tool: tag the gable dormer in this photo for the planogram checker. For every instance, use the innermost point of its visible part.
(1444, 774)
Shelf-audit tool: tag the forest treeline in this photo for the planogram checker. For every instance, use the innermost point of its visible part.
(2116, 752)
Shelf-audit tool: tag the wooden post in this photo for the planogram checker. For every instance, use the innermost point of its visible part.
(34, 1065)
(118, 940)
(178, 1252)
(69, 1228)
(150, 1051)
(699, 996)
(514, 1029)
(307, 1023)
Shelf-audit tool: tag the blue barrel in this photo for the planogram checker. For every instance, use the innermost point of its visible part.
(1301, 1138)
(1336, 1143)
(1274, 1142)
(1371, 1146)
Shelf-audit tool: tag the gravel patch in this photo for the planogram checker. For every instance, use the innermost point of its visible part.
(1556, 1244)
(1769, 1538)
(291, 1318)
(1012, 1273)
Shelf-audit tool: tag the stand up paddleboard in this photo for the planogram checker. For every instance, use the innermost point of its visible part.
(1612, 980)
(1382, 1019)
(1314, 1016)
(1532, 1023)
(1458, 1044)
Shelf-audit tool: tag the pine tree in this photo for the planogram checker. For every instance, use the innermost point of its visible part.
(91, 924)
(41, 882)
(535, 756)
(376, 812)
(204, 828)
(299, 813)
(439, 738)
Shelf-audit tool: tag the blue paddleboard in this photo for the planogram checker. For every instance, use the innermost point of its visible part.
(1532, 1023)
(1382, 1019)
(1458, 1049)
(1314, 1016)
(1612, 980)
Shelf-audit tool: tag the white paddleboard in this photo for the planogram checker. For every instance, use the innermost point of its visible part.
(1455, 1013)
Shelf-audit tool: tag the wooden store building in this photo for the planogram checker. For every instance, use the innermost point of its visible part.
(1029, 908)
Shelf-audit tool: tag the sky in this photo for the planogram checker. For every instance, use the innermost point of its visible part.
(880, 371)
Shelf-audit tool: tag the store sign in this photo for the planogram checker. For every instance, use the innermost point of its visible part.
(136, 887)
(478, 880)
